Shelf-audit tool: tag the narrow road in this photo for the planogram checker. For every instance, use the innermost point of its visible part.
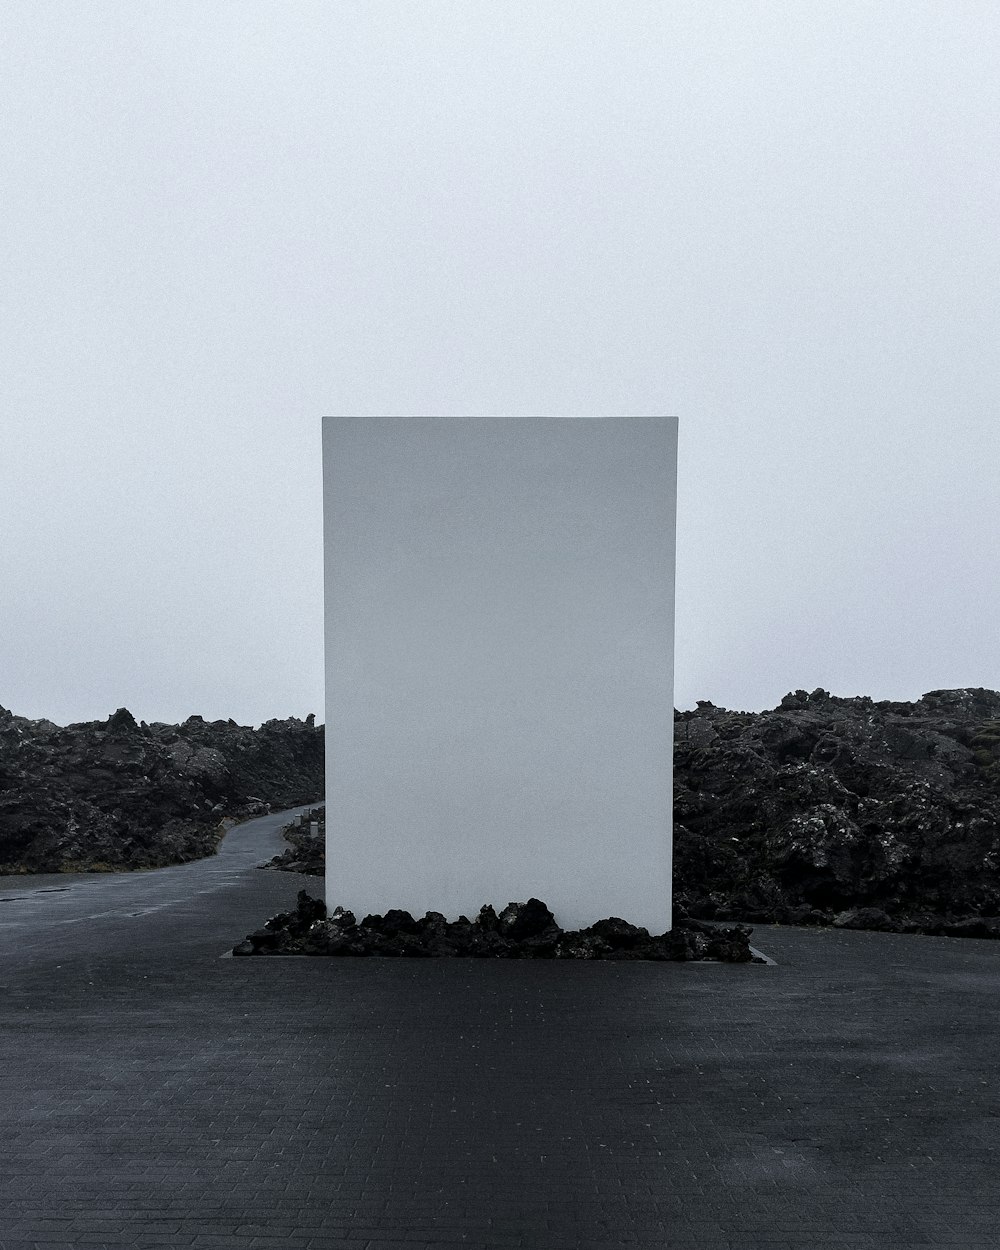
(153, 913)
(156, 1094)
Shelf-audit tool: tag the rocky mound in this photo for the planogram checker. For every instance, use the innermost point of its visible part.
(114, 794)
(521, 931)
(842, 810)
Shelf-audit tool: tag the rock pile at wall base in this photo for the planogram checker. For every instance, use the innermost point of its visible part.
(521, 931)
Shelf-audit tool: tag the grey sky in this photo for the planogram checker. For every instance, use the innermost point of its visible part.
(778, 221)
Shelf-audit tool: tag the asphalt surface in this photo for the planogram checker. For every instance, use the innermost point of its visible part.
(153, 1093)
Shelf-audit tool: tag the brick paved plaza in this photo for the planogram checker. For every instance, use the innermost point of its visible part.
(155, 1094)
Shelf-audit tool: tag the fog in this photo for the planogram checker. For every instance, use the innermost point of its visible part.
(223, 221)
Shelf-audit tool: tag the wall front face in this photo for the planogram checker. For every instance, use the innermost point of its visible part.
(499, 664)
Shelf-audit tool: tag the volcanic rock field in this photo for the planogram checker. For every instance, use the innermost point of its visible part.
(824, 810)
(109, 795)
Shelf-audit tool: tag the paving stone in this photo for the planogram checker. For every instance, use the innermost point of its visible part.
(154, 1093)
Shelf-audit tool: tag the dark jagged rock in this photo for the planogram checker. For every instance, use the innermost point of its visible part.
(842, 810)
(521, 931)
(394, 921)
(524, 920)
(109, 795)
(865, 918)
(488, 920)
(619, 933)
(122, 721)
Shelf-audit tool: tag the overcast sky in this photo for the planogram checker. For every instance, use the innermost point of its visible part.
(223, 220)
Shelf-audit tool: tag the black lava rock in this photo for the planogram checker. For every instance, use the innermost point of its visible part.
(865, 918)
(524, 920)
(488, 920)
(618, 933)
(307, 931)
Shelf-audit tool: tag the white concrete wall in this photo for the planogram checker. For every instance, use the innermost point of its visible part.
(499, 664)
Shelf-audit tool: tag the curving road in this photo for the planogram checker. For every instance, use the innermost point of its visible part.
(188, 908)
(156, 1094)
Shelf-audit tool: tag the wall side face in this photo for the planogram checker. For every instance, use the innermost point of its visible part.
(499, 664)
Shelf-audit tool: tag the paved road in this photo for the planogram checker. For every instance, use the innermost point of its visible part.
(155, 1094)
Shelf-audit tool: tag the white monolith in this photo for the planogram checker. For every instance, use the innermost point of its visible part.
(499, 664)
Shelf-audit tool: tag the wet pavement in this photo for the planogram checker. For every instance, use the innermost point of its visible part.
(154, 1093)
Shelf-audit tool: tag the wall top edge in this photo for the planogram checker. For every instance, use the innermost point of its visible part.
(472, 417)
